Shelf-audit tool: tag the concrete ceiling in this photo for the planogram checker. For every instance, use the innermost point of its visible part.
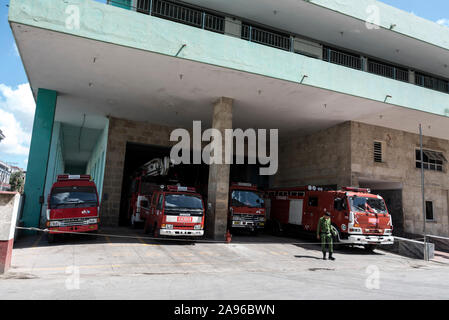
(100, 79)
(78, 144)
(330, 27)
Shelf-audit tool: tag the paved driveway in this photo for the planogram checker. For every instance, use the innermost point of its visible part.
(262, 267)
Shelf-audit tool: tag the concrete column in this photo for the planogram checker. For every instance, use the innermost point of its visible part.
(38, 157)
(365, 64)
(217, 214)
(411, 76)
(233, 27)
(9, 207)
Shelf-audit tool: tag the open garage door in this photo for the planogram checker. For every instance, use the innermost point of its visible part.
(392, 193)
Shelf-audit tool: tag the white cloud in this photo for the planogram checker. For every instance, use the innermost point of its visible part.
(16, 119)
(16, 50)
(443, 22)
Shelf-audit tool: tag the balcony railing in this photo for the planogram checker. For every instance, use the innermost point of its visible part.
(178, 13)
(388, 71)
(432, 83)
(199, 18)
(265, 37)
(342, 58)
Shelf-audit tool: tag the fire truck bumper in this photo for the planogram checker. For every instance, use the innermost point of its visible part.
(361, 239)
(174, 232)
(248, 224)
(85, 228)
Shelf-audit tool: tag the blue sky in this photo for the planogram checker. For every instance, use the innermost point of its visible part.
(17, 104)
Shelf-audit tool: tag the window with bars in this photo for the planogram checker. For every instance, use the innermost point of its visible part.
(378, 152)
(432, 160)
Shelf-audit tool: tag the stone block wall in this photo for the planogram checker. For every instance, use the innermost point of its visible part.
(322, 158)
(121, 132)
(399, 165)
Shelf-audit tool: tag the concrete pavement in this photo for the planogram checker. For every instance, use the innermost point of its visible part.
(262, 267)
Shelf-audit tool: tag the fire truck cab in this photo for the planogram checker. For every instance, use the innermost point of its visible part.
(72, 205)
(174, 211)
(246, 207)
(360, 217)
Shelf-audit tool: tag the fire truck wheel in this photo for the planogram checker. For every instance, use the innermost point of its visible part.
(370, 247)
(155, 231)
(146, 228)
(276, 228)
(50, 237)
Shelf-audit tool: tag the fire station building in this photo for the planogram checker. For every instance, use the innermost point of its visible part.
(346, 82)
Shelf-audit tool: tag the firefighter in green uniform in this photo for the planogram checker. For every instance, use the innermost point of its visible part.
(324, 232)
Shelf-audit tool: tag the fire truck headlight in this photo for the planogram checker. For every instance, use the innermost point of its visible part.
(236, 218)
(168, 226)
(198, 227)
(355, 230)
(92, 221)
(54, 223)
(388, 231)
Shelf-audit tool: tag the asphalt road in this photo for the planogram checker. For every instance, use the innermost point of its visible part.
(254, 268)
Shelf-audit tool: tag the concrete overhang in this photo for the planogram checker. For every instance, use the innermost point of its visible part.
(394, 35)
(121, 63)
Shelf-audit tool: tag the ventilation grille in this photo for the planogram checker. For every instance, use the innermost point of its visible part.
(377, 151)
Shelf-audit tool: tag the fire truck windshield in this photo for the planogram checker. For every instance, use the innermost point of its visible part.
(367, 205)
(74, 196)
(244, 198)
(184, 202)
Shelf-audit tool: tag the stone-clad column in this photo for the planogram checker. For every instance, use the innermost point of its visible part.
(217, 214)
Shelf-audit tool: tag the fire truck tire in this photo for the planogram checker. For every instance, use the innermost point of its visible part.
(370, 247)
(50, 238)
(155, 231)
(276, 228)
(146, 228)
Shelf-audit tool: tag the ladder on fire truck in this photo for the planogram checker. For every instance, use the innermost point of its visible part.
(157, 167)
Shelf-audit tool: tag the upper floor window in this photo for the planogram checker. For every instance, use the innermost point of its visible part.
(432, 160)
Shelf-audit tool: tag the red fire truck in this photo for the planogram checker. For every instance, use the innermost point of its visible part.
(174, 211)
(142, 189)
(72, 205)
(246, 207)
(360, 217)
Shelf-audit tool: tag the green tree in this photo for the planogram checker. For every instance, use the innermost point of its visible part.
(17, 181)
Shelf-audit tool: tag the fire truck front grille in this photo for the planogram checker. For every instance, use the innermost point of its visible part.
(249, 217)
(73, 222)
(373, 231)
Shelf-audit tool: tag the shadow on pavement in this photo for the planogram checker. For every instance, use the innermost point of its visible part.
(126, 235)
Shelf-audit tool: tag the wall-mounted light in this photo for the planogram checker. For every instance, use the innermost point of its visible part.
(303, 77)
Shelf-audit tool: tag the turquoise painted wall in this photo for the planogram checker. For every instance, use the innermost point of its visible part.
(96, 164)
(39, 156)
(55, 164)
(125, 4)
(127, 28)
